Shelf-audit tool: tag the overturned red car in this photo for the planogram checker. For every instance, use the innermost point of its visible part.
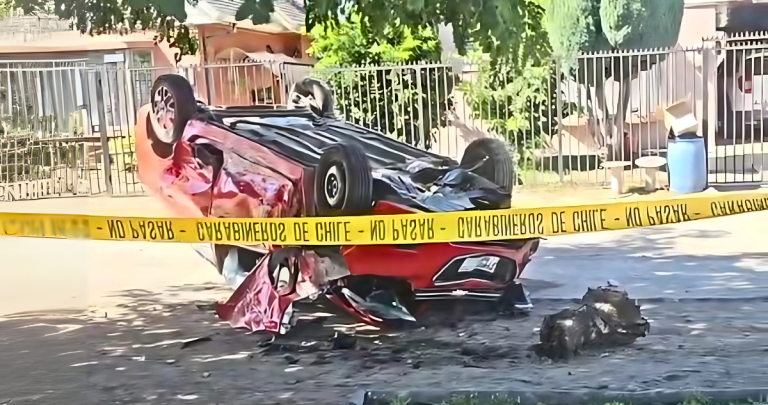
(301, 160)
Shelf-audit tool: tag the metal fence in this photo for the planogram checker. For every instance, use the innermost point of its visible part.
(247, 82)
(564, 121)
(67, 128)
(39, 108)
(741, 141)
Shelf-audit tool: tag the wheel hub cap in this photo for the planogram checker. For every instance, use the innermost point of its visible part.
(164, 107)
(333, 186)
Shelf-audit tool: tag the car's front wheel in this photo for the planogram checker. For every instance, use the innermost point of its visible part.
(173, 104)
(490, 158)
(343, 181)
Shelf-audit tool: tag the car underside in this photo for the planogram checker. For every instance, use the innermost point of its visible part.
(300, 160)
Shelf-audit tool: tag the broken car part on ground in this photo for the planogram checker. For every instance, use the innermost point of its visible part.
(607, 317)
(300, 160)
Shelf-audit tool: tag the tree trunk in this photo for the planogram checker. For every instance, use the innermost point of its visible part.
(603, 129)
(616, 138)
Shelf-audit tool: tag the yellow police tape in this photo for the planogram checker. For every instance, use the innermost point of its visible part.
(514, 223)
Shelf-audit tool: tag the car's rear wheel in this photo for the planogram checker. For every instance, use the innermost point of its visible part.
(490, 158)
(343, 181)
(173, 104)
(314, 94)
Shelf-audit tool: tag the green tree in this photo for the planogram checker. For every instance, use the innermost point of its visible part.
(6, 7)
(499, 26)
(515, 94)
(391, 83)
(576, 26)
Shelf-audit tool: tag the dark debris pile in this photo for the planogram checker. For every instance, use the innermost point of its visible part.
(607, 317)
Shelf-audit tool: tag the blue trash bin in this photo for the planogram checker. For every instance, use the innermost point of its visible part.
(687, 162)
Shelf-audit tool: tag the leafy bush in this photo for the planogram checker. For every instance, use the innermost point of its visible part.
(515, 94)
(372, 86)
(520, 107)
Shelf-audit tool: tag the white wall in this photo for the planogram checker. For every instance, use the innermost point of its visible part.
(697, 23)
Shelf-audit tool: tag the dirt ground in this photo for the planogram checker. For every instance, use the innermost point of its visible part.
(106, 322)
(145, 360)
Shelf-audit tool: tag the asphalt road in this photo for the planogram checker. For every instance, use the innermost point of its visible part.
(102, 322)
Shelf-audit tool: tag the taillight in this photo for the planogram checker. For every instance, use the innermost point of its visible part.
(745, 86)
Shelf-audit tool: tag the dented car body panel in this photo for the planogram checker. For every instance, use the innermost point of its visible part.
(253, 163)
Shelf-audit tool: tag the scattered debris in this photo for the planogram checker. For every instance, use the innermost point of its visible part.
(159, 331)
(321, 359)
(304, 347)
(66, 353)
(187, 397)
(468, 363)
(206, 307)
(342, 341)
(194, 341)
(606, 317)
(84, 364)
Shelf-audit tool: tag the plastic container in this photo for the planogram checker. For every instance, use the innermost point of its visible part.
(687, 161)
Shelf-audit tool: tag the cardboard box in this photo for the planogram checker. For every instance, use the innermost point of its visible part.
(679, 117)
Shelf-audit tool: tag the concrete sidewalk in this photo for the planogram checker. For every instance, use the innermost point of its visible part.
(121, 206)
(46, 274)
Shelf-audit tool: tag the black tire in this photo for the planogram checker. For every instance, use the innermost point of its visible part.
(498, 166)
(171, 92)
(343, 181)
(317, 91)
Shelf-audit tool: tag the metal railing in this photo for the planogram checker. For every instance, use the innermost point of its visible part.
(741, 145)
(562, 121)
(42, 124)
(68, 127)
(565, 120)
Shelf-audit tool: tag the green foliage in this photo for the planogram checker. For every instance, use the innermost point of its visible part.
(5, 8)
(473, 399)
(498, 26)
(516, 97)
(573, 26)
(635, 24)
(350, 43)
(520, 106)
(405, 102)
(596, 25)
(258, 11)
(605, 25)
